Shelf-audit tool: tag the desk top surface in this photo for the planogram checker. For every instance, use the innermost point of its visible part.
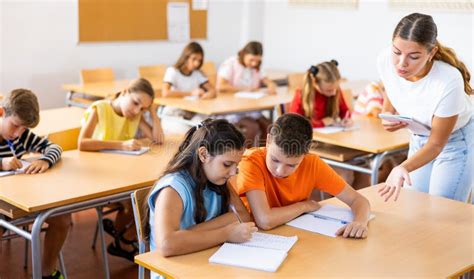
(417, 236)
(369, 137)
(81, 176)
(58, 120)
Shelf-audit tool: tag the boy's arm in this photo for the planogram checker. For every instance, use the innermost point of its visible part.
(267, 218)
(51, 153)
(360, 208)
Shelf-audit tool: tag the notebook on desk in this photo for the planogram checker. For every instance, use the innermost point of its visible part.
(18, 171)
(263, 252)
(326, 221)
(335, 129)
(127, 152)
(250, 95)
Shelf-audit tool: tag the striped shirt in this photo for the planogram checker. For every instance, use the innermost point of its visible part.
(29, 142)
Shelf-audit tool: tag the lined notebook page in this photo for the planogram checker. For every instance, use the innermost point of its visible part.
(263, 252)
(271, 241)
(248, 257)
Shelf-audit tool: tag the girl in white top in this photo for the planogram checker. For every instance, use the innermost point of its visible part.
(243, 73)
(426, 81)
(185, 79)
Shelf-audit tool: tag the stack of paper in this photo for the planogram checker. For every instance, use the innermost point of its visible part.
(18, 171)
(263, 252)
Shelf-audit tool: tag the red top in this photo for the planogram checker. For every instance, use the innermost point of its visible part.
(320, 102)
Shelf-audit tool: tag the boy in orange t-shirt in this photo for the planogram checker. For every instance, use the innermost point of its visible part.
(275, 182)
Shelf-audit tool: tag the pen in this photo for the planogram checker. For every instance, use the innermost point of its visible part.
(330, 219)
(232, 207)
(10, 144)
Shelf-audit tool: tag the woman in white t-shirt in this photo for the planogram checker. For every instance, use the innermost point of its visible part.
(243, 73)
(426, 81)
(186, 79)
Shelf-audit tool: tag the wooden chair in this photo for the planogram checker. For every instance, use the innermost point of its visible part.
(154, 74)
(66, 139)
(209, 69)
(97, 75)
(139, 200)
(349, 98)
(295, 80)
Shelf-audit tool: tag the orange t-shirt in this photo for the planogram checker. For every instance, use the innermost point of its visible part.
(312, 173)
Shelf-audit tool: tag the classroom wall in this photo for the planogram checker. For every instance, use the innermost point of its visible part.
(297, 36)
(39, 50)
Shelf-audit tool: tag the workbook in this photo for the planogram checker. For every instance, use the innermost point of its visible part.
(18, 171)
(335, 129)
(326, 221)
(250, 95)
(414, 125)
(127, 152)
(263, 252)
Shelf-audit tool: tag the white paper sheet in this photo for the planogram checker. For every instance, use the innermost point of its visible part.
(178, 22)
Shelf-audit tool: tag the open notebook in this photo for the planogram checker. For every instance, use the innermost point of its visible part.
(414, 125)
(127, 152)
(263, 252)
(327, 220)
(18, 171)
(335, 129)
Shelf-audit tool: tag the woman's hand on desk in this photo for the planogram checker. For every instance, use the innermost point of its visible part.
(240, 232)
(354, 230)
(11, 163)
(394, 183)
(38, 166)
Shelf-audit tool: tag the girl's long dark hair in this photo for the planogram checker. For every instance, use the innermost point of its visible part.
(217, 136)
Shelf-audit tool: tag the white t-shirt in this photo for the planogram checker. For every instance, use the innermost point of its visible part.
(182, 82)
(440, 93)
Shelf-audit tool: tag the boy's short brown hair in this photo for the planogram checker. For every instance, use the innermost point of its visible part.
(293, 134)
(23, 104)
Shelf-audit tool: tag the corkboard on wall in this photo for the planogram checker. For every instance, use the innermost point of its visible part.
(132, 20)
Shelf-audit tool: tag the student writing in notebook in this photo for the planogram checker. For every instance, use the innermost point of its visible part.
(243, 73)
(321, 99)
(189, 205)
(20, 113)
(275, 182)
(417, 70)
(113, 124)
(185, 79)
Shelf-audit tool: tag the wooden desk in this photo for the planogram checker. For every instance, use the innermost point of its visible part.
(371, 138)
(80, 180)
(227, 103)
(418, 236)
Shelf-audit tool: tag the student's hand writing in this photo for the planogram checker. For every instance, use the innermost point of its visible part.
(354, 230)
(38, 166)
(197, 92)
(132, 144)
(11, 163)
(394, 183)
(160, 139)
(207, 95)
(271, 90)
(328, 121)
(347, 122)
(240, 232)
(311, 205)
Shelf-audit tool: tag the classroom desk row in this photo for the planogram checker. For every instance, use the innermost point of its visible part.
(419, 236)
(80, 180)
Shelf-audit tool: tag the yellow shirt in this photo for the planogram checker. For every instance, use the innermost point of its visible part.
(111, 126)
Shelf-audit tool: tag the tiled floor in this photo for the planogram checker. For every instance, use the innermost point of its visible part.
(81, 261)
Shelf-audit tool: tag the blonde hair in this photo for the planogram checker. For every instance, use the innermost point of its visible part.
(422, 29)
(327, 72)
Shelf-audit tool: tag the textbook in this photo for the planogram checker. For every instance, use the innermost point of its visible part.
(127, 152)
(326, 221)
(250, 95)
(18, 171)
(413, 125)
(335, 129)
(263, 252)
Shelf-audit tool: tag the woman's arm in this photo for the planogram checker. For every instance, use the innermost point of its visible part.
(441, 129)
(86, 143)
(171, 240)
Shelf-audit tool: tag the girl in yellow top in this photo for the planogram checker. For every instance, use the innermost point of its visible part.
(113, 124)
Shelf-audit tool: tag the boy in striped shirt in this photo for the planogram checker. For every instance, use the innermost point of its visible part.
(19, 113)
